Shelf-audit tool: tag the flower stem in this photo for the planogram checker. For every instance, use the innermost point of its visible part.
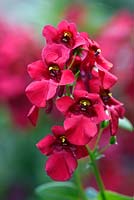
(104, 148)
(81, 191)
(98, 138)
(67, 90)
(72, 62)
(97, 174)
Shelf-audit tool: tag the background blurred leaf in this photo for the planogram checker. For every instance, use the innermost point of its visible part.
(114, 196)
(57, 191)
(125, 124)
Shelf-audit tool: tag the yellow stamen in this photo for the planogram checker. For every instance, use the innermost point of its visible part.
(63, 139)
(54, 68)
(67, 34)
(110, 94)
(85, 102)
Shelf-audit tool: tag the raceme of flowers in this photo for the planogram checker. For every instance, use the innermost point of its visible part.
(73, 75)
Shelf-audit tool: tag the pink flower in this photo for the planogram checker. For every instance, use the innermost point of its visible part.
(115, 109)
(62, 155)
(94, 54)
(65, 33)
(48, 75)
(87, 110)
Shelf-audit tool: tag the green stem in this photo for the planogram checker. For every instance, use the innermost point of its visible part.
(104, 148)
(98, 138)
(74, 56)
(67, 90)
(97, 174)
(81, 191)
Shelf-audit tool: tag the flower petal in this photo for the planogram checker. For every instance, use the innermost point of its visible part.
(114, 121)
(79, 129)
(46, 144)
(55, 54)
(60, 166)
(36, 70)
(39, 92)
(65, 26)
(107, 79)
(64, 103)
(81, 152)
(58, 131)
(81, 94)
(33, 115)
(103, 62)
(50, 33)
(67, 77)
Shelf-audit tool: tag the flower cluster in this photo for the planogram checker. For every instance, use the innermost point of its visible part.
(74, 76)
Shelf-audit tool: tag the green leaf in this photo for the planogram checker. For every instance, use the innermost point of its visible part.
(114, 196)
(57, 191)
(125, 124)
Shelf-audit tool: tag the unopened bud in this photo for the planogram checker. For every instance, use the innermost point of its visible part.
(104, 124)
(113, 140)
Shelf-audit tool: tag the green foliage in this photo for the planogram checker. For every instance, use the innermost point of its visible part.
(57, 191)
(68, 191)
(114, 196)
(126, 124)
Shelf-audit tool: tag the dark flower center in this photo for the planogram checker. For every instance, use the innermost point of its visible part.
(84, 104)
(105, 95)
(54, 72)
(66, 36)
(63, 139)
(85, 107)
(96, 50)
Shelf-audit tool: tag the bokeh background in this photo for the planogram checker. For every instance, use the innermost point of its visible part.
(111, 23)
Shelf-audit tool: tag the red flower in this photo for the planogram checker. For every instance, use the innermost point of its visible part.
(94, 79)
(85, 109)
(87, 104)
(55, 54)
(62, 154)
(115, 109)
(94, 55)
(48, 75)
(65, 33)
(101, 79)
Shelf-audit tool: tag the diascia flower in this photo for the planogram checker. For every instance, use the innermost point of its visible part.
(94, 53)
(82, 113)
(100, 81)
(74, 76)
(62, 155)
(115, 109)
(65, 33)
(102, 86)
(48, 74)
